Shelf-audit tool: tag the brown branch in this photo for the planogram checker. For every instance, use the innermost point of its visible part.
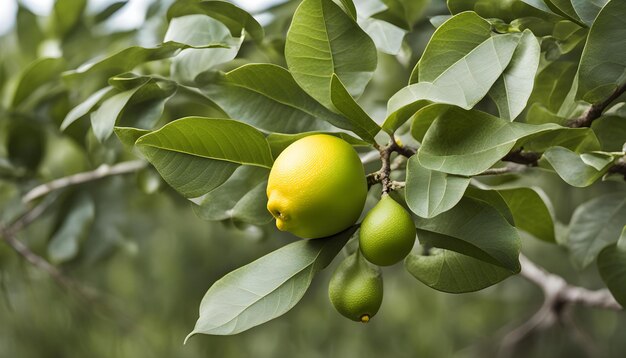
(519, 156)
(619, 167)
(101, 172)
(383, 175)
(385, 170)
(595, 111)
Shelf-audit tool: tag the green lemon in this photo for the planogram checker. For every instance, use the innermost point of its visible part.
(317, 187)
(356, 289)
(387, 233)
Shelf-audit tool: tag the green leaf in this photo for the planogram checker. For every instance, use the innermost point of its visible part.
(402, 13)
(141, 107)
(128, 136)
(195, 154)
(104, 118)
(349, 8)
(66, 14)
(552, 85)
(612, 268)
(242, 197)
(192, 176)
(513, 89)
(430, 193)
(466, 30)
(611, 131)
(473, 228)
(469, 142)
(29, 34)
(575, 139)
(424, 118)
(229, 14)
(34, 76)
(530, 212)
(540, 5)
(219, 139)
(538, 114)
(492, 198)
(564, 9)
(266, 288)
(461, 78)
(322, 41)
(127, 59)
(387, 37)
(578, 170)
(362, 124)
(278, 142)
(267, 97)
(109, 11)
(146, 106)
(193, 61)
(603, 63)
(588, 10)
(199, 31)
(451, 272)
(507, 10)
(84, 107)
(595, 225)
(76, 225)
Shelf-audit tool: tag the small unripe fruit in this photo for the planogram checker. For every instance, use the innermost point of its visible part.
(356, 289)
(387, 233)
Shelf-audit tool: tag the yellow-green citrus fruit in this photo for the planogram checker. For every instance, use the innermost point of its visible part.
(317, 187)
(356, 289)
(387, 233)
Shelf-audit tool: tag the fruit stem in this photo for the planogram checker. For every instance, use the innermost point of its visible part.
(383, 175)
(365, 318)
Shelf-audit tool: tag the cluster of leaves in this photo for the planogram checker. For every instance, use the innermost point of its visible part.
(495, 79)
(37, 95)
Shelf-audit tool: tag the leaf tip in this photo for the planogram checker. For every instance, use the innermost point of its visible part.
(193, 333)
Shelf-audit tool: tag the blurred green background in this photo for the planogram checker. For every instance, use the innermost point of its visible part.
(153, 259)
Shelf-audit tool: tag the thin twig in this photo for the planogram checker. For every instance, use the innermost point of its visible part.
(395, 185)
(519, 156)
(595, 111)
(385, 170)
(510, 168)
(36, 260)
(102, 171)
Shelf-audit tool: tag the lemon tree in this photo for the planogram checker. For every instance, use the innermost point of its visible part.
(427, 134)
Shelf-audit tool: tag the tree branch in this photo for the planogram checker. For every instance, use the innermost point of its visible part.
(595, 111)
(509, 168)
(8, 235)
(558, 296)
(519, 156)
(102, 171)
(558, 291)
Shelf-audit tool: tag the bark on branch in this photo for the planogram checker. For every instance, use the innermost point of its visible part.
(595, 111)
(557, 290)
(102, 171)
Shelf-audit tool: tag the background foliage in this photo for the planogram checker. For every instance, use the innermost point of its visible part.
(153, 255)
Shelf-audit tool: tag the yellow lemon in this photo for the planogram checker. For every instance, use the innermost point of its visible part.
(317, 187)
(356, 289)
(387, 233)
